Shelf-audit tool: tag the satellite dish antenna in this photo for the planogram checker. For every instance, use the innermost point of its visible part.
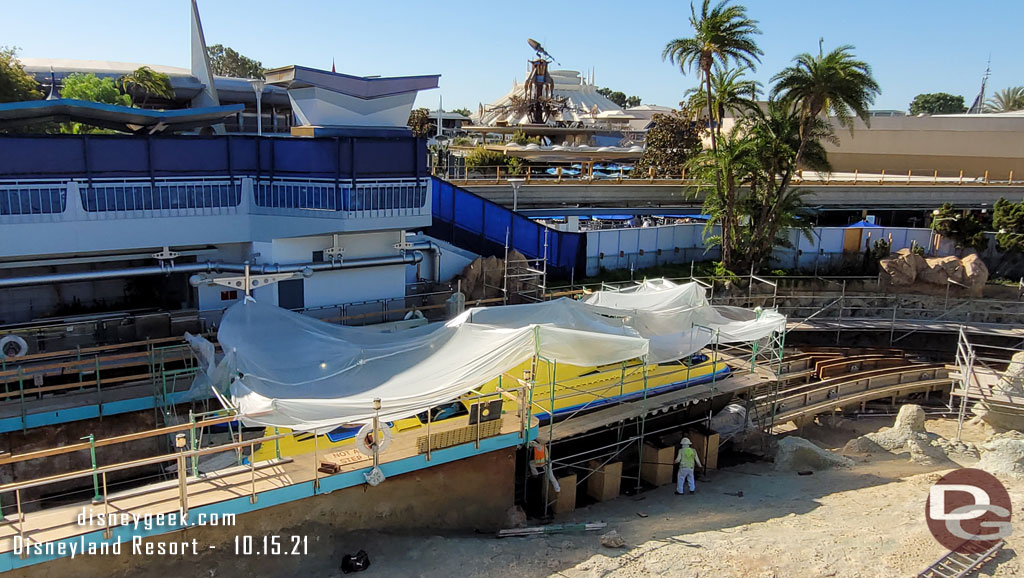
(540, 50)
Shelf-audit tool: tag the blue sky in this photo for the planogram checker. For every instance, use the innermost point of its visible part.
(479, 47)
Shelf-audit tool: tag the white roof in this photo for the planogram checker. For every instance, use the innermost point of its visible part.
(584, 102)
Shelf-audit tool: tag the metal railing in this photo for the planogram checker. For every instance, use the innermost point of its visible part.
(476, 419)
(163, 197)
(542, 173)
(21, 198)
(24, 201)
(328, 198)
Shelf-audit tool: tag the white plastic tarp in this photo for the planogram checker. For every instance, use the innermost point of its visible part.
(294, 371)
(291, 370)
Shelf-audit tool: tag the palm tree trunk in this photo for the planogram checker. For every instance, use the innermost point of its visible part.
(727, 217)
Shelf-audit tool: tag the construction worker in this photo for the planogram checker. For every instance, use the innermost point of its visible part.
(686, 459)
(539, 461)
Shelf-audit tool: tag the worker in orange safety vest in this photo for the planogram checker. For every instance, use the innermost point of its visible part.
(539, 461)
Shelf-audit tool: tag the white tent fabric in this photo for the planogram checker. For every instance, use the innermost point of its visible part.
(291, 370)
(298, 372)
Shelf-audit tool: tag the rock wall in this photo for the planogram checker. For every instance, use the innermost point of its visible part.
(909, 270)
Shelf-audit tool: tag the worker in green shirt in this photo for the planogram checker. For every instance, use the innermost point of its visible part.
(686, 459)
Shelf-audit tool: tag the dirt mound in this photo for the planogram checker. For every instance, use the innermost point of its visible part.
(908, 435)
(797, 454)
(1010, 383)
(1004, 454)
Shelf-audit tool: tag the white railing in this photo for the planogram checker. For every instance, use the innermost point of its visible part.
(163, 197)
(30, 201)
(371, 198)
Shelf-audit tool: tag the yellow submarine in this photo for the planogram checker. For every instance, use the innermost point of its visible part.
(576, 389)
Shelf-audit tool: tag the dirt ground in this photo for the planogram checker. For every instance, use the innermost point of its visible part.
(860, 522)
(866, 521)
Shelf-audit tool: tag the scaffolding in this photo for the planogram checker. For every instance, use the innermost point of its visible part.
(989, 375)
(629, 415)
(523, 280)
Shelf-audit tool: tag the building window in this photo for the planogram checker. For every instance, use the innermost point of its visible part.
(228, 295)
(318, 256)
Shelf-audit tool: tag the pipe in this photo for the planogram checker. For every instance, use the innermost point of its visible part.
(210, 267)
(436, 250)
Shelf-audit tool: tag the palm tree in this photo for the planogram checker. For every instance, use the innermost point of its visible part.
(730, 92)
(1006, 100)
(722, 33)
(730, 165)
(773, 207)
(835, 83)
(148, 82)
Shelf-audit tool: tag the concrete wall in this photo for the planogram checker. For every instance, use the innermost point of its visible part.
(324, 287)
(948, 144)
(925, 144)
(468, 494)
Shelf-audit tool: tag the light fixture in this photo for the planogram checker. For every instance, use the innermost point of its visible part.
(258, 84)
(179, 441)
(323, 365)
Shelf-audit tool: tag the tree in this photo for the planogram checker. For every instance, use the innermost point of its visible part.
(1006, 100)
(15, 84)
(619, 97)
(463, 111)
(729, 166)
(419, 122)
(756, 206)
(672, 140)
(147, 82)
(773, 207)
(1008, 221)
(94, 89)
(722, 34)
(965, 229)
(225, 61)
(937, 103)
(519, 137)
(730, 92)
(836, 84)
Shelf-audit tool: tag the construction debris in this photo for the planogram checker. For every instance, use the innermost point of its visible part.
(797, 454)
(552, 529)
(515, 517)
(612, 540)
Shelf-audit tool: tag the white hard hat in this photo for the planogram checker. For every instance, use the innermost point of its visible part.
(684, 442)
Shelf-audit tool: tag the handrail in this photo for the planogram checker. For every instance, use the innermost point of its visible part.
(10, 459)
(537, 173)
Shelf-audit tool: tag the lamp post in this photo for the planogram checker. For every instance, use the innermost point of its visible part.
(258, 84)
(516, 183)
